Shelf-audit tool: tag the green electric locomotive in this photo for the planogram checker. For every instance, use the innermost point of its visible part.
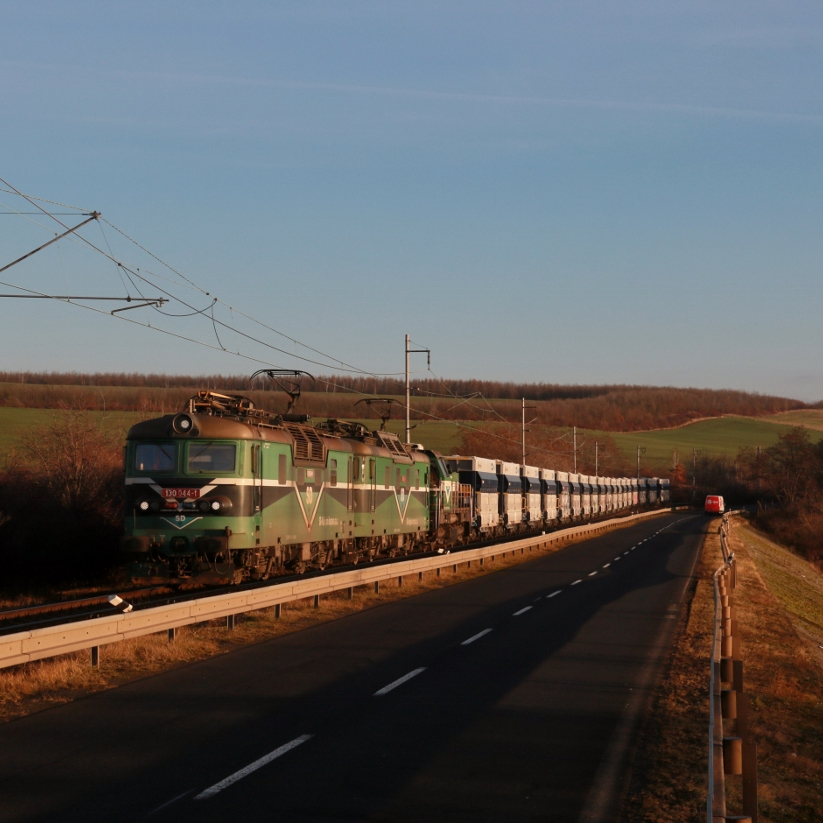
(225, 492)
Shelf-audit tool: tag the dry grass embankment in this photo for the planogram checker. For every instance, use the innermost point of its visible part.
(33, 686)
(779, 602)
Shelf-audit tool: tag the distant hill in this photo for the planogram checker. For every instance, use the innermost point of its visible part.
(614, 408)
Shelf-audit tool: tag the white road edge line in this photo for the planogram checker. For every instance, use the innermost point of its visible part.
(475, 637)
(522, 611)
(553, 594)
(252, 767)
(399, 682)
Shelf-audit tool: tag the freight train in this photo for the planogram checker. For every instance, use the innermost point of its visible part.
(223, 492)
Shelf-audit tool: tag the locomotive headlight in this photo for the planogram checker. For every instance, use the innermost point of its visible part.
(215, 506)
(182, 424)
(143, 505)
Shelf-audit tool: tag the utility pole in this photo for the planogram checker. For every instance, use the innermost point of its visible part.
(596, 446)
(574, 436)
(640, 450)
(695, 452)
(523, 408)
(758, 473)
(408, 387)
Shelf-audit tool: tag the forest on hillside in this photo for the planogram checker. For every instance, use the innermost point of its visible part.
(610, 408)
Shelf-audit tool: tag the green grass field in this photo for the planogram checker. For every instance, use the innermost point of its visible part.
(722, 436)
(810, 418)
(444, 437)
(15, 422)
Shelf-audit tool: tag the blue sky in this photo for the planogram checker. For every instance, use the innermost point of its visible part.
(562, 192)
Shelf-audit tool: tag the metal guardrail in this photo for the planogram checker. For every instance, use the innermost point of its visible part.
(51, 641)
(729, 753)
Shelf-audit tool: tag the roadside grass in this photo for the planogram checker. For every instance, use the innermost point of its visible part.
(780, 611)
(30, 687)
(779, 601)
(668, 778)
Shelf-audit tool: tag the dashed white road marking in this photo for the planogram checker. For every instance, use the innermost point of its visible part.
(399, 682)
(522, 611)
(576, 582)
(169, 802)
(627, 552)
(617, 558)
(606, 565)
(252, 767)
(592, 574)
(475, 637)
(553, 594)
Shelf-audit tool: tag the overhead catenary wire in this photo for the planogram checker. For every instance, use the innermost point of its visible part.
(132, 274)
(332, 362)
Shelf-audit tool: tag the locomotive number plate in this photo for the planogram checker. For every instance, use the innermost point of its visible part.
(186, 494)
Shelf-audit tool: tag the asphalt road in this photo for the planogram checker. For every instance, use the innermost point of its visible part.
(510, 697)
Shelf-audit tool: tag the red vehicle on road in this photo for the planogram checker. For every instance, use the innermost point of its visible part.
(714, 504)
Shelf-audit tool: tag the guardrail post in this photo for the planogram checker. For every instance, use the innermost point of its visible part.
(277, 610)
(481, 561)
(419, 577)
(728, 701)
(400, 582)
(750, 780)
(351, 592)
(732, 755)
(172, 634)
(377, 587)
(737, 675)
(317, 601)
(438, 571)
(230, 622)
(95, 657)
(454, 568)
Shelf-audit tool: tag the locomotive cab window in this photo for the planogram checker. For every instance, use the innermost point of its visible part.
(155, 457)
(333, 472)
(207, 458)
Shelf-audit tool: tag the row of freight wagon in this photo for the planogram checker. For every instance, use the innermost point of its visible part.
(509, 496)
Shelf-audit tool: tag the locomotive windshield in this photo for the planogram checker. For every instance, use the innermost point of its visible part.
(155, 457)
(211, 457)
